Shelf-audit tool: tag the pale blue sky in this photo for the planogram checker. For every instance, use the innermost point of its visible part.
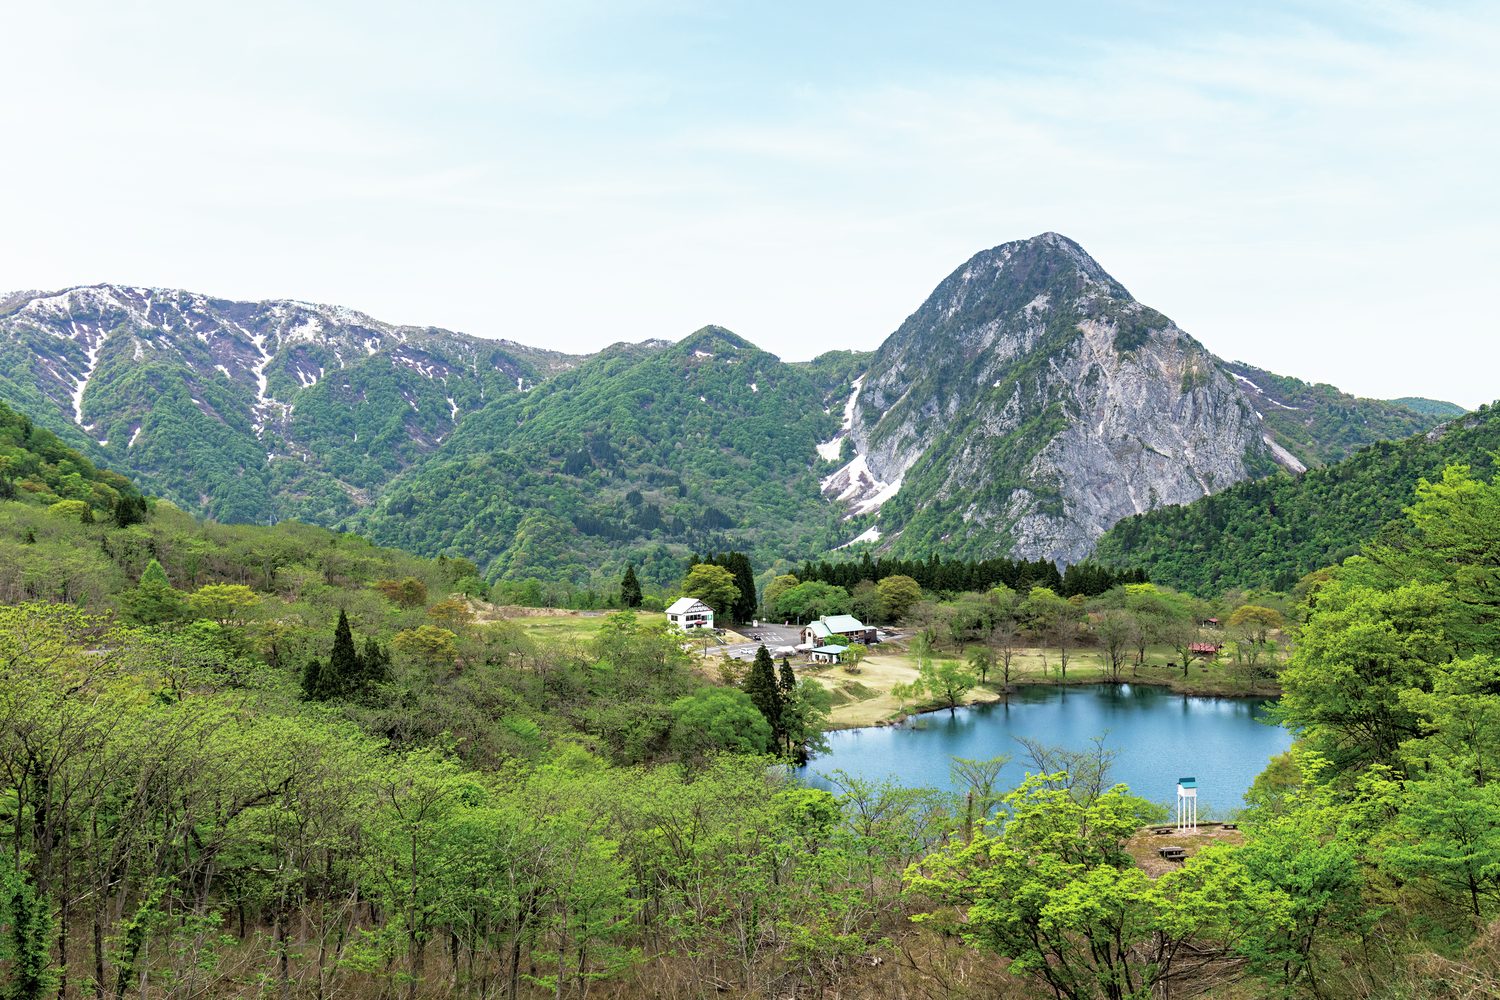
(1310, 188)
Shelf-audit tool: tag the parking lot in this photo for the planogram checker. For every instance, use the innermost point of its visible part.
(774, 637)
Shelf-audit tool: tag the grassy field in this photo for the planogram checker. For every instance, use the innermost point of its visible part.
(553, 625)
(865, 698)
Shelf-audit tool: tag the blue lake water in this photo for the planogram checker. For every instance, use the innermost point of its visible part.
(1159, 736)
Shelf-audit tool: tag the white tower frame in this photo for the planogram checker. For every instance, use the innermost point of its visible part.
(1187, 805)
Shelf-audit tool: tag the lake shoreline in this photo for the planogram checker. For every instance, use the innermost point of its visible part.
(989, 695)
(1150, 734)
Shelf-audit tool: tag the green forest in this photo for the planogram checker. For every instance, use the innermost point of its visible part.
(1269, 533)
(247, 761)
(641, 456)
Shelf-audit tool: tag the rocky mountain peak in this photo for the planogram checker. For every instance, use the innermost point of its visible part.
(1029, 403)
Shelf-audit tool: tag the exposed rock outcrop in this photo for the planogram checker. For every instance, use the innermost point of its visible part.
(1031, 403)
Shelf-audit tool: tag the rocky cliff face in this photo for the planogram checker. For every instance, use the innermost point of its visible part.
(1031, 403)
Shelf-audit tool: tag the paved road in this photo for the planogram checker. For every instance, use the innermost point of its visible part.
(773, 636)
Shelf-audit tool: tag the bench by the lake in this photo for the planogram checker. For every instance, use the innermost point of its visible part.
(1172, 853)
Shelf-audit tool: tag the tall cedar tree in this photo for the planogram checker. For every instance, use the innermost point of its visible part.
(744, 578)
(760, 685)
(343, 662)
(630, 589)
(346, 674)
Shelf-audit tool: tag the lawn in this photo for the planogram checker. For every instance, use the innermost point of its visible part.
(554, 626)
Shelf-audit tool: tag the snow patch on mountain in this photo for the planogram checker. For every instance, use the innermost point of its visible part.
(857, 487)
(830, 450)
(260, 412)
(870, 534)
(1283, 456)
(91, 355)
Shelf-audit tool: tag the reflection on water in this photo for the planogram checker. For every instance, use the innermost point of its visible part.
(1159, 736)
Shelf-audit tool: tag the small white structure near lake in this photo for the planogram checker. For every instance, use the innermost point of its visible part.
(1187, 805)
(688, 613)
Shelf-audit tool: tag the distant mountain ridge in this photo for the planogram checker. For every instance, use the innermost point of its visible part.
(1318, 424)
(248, 411)
(1026, 406)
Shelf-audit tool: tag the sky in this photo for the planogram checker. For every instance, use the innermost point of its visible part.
(1310, 188)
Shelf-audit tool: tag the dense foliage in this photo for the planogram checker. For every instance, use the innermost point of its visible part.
(954, 575)
(1271, 532)
(37, 468)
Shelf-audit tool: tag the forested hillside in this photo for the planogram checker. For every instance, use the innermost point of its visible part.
(1438, 408)
(1320, 424)
(1269, 533)
(641, 454)
(37, 468)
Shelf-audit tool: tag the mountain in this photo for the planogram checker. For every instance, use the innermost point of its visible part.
(1030, 403)
(1270, 533)
(1318, 424)
(642, 453)
(248, 411)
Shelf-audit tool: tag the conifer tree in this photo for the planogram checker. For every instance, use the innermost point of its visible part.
(744, 578)
(312, 679)
(760, 685)
(129, 508)
(153, 601)
(788, 681)
(154, 575)
(343, 674)
(630, 589)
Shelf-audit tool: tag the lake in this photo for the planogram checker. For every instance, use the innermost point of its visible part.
(1159, 736)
